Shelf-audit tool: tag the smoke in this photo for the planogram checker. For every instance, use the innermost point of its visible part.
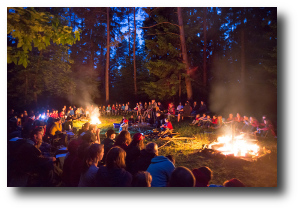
(228, 95)
(86, 88)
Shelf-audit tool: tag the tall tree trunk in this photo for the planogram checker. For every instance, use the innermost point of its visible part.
(204, 49)
(179, 89)
(188, 82)
(129, 35)
(134, 61)
(243, 57)
(107, 59)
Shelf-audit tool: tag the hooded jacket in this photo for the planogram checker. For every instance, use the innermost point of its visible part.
(160, 169)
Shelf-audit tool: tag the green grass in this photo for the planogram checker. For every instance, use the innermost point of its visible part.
(187, 152)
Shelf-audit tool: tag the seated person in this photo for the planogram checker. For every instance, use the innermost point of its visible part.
(214, 121)
(268, 127)
(186, 112)
(149, 120)
(230, 119)
(166, 128)
(202, 120)
(123, 119)
(29, 162)
(182, 177)
(159, 120)
(109, 141)
(131, 120)
(124, 126)
(196, 120)
(160, 169)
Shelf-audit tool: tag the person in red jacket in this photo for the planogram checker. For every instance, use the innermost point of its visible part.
(166, 128)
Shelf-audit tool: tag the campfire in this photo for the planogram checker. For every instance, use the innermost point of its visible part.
(95, 117)
(239, 146)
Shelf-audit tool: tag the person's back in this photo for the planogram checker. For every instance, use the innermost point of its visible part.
(160, 169)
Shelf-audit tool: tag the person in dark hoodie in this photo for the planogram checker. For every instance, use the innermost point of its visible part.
(113, 174)
(144, 160)
(108, 141)
(133, 151)
(160, 169)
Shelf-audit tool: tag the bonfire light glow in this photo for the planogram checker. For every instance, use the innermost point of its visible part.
(95, 117)
(237, 146)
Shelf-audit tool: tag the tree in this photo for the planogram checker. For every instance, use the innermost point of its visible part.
(188, 83)
(31, 29)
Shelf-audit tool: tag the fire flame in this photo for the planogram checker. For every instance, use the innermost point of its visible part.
(95, 116)
(237, 146)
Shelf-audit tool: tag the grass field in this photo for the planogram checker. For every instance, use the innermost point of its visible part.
(187, 152)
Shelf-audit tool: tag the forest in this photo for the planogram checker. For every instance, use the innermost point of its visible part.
(226, 57)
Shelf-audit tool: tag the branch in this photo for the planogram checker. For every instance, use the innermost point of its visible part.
(161, 23)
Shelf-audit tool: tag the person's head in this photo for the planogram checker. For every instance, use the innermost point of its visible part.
(58, 120)
(149, 115)
(115, 158)
(202, 102)
(230, 115)
(166, 120)
(197, 115)
(142, 179)
(152, 147)
(238, 115)
(88, 138)
(138, 140)
(171, 158)
(246, 118)
(36, 136)
(208, 116)
(204, 115)
(86, 126)
(131, 116)
(233, 183)
(214, 117)
(93, 154)
(123, 138)
(21, 115)
(73, 146)
(157, 114)
(93, 128)
(182, 177)
(203, 176)
(110, 134)
(186, 103)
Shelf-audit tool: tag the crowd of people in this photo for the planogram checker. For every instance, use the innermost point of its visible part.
(119, 160)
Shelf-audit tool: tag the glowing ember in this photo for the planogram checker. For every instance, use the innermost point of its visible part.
(237, 146)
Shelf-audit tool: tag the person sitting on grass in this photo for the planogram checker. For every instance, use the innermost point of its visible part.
(93, 155)
(160, 169)
(142, 179)
(124, 126)
(202, 120)
(113, 174)
(214, 121)
(131, 120)
(146, 155)
(203, 176)
(123, 140)
(167, 128)
(182, 177)
(108, 142)
(149, 120)
(133, 151)
(267, 127)
(196, 120)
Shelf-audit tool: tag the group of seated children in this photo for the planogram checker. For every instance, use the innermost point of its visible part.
(242, 124)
